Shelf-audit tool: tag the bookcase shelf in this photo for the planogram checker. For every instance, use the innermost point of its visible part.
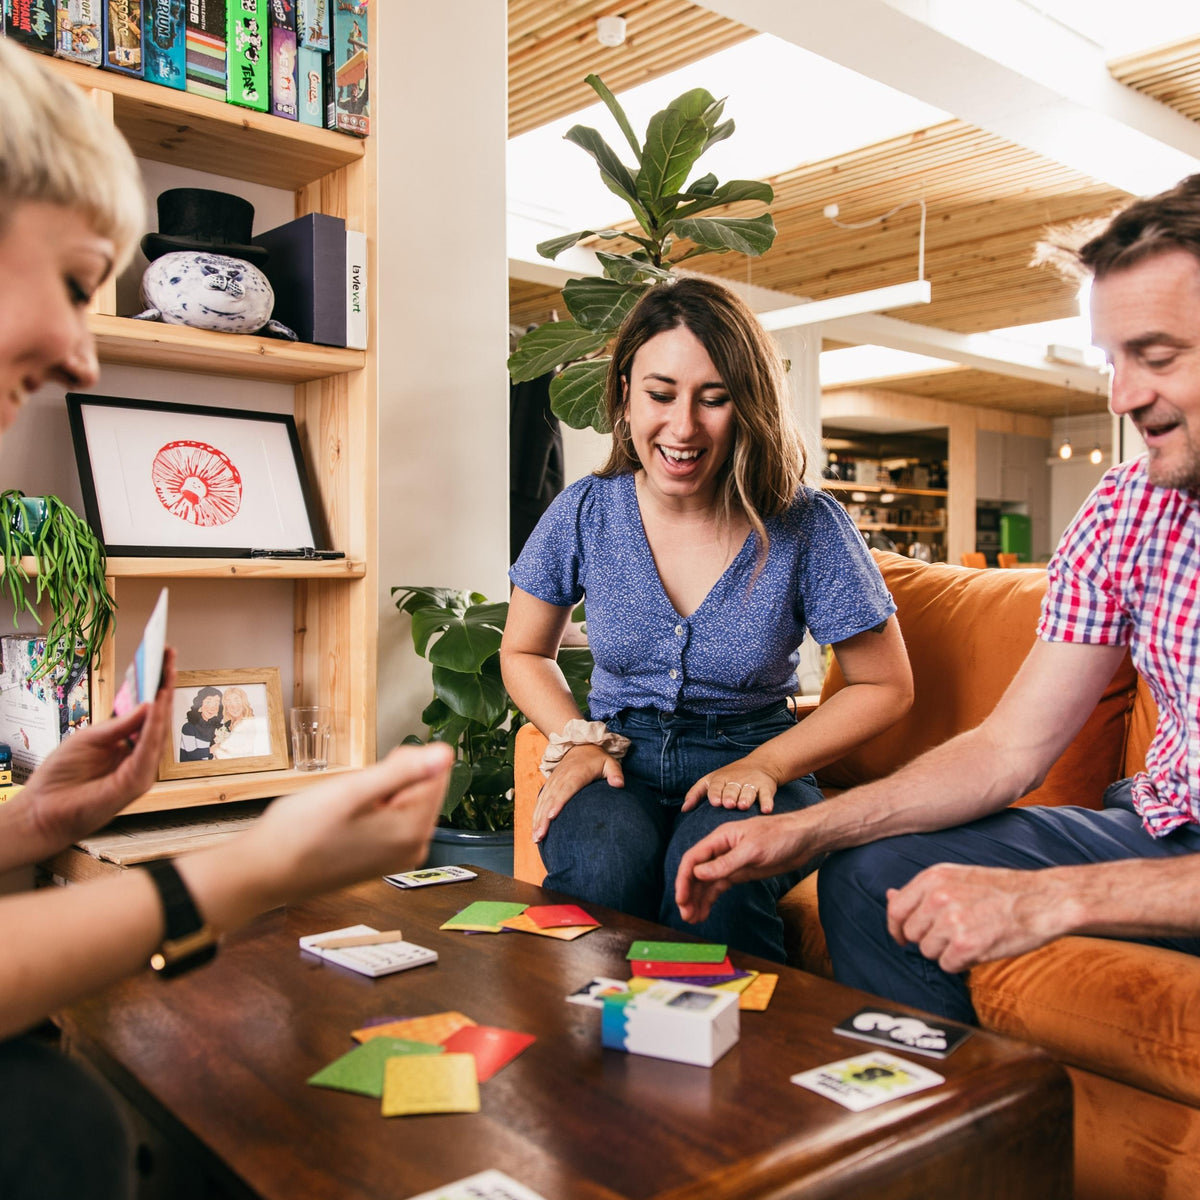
(201, 352)
(334, 611)
(171, 794)
(225, 568)
(206, 135)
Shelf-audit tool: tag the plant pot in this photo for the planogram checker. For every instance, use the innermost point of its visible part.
(28, 519)
(458, 847)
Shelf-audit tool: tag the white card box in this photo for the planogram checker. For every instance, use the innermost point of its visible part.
(383, 958)
(672, 1020)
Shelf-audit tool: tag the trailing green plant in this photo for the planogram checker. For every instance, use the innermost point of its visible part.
(459, 633)
(668, 211)
(70, 578)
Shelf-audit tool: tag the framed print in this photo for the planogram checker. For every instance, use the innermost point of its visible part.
(225, 723)
(185, 479)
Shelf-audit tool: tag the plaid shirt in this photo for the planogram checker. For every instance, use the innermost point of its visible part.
(1125, 573)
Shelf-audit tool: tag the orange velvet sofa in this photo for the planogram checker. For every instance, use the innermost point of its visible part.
(1124, 1019)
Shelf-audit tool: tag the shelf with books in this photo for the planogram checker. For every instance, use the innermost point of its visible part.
(200, 351)
(329, 606)
(185, 130)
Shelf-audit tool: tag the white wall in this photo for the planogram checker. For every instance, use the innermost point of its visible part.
(442, 320)
(1072, 479)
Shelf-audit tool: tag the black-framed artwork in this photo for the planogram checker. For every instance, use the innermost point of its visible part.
(186, 479)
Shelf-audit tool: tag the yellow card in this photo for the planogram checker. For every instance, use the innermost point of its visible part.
(451, 1087)
(434, 1029)
(758, 995)
(565, 933)
(736, 985)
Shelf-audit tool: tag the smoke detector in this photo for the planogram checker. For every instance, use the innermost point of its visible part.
(610, 31)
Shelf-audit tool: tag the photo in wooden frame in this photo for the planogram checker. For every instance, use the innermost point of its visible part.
(225, 723)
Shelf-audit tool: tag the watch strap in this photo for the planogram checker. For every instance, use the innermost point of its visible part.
(187, 940)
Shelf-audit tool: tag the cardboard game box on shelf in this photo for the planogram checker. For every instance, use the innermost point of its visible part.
(672, 1020)
(36, 714)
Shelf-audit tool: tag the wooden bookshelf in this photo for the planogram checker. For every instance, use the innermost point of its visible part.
(334, 619)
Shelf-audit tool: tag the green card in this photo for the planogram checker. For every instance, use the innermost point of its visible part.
(681, 952)
(361, 1069)
(484, 915)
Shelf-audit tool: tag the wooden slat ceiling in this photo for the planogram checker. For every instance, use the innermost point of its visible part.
(552, 46)
(1169, 73)
(988, 203)
(988, 200)
(983, 389)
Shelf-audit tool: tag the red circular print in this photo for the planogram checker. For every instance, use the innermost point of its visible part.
(197, 483)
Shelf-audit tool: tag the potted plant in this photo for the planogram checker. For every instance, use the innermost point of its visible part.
(69, 576)
(671, 228)
(459, 633)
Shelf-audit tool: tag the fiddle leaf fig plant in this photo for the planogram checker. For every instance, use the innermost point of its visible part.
(69, 576)
(670, 230)
(459, 633)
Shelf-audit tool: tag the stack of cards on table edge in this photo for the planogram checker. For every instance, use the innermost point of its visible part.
(562, 921)
(431, 1064)
(701, 964)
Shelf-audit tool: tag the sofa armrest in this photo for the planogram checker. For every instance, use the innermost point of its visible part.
(1119, 1009)
(527, 782)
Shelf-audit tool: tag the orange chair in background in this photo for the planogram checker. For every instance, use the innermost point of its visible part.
(974, 558)
(1007, 560)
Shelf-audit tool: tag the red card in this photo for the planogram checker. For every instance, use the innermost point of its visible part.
(492, 1048)
(552, 916)
(680, 970)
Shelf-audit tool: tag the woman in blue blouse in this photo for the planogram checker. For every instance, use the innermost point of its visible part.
(703, 559)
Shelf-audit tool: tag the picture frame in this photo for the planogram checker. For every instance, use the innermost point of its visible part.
(186, 480)
(207, 740)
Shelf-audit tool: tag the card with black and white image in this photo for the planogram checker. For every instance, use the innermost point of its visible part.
(871, 1078)
(428, 876)
(592, 993)
(902, 1031)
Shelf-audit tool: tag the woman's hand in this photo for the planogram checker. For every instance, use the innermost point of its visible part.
(577, 768)
(98, 770)
(738, 785)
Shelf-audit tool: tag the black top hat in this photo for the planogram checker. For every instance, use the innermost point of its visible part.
(200, 219)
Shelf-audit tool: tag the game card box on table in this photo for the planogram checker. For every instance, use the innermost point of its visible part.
(384, 958)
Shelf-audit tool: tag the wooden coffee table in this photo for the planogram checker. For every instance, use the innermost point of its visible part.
(217, 1061)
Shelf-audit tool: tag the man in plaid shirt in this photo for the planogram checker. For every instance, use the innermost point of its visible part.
(962, 878)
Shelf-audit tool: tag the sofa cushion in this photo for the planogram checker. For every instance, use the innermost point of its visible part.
(967, 632)
(1122, 1010)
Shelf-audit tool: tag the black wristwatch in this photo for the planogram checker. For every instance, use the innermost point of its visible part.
(187, 942)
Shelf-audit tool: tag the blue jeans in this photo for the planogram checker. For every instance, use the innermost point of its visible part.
(853, 887)
(621, 847)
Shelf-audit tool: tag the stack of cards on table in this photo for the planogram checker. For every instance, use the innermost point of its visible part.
(562, 921)
(427, 876)
(358, 947)
(431, 1064)
(702, 964)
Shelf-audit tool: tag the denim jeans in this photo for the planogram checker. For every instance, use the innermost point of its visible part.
(621, 847)
(853, 887)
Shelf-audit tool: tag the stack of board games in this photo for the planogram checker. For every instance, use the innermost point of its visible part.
(164, 42)
(32, 23)
(80, 28)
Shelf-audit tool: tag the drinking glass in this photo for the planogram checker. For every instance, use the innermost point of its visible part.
(312, 726)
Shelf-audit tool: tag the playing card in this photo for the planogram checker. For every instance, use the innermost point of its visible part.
(429, 876)
(492, 1048)
(901, 1031)
(858, 1083)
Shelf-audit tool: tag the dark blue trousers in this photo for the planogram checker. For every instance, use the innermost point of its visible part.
(853, 887)
(621, 847)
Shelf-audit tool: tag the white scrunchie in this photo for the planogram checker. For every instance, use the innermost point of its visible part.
(582, 733)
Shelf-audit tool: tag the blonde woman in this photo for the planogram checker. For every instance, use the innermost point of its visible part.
(242, 734)
(70, 208)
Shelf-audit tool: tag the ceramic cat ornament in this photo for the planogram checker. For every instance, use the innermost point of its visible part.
(204, 271)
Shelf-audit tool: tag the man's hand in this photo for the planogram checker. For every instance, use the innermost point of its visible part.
(738, 785)
(735, 852)
(577, 768)
(97, 771)
(961, 916)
